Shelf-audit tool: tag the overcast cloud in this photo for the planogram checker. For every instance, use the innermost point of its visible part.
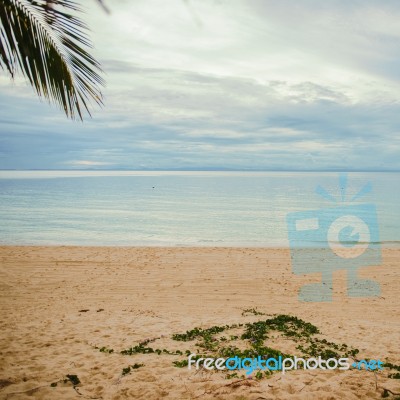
(238, 84)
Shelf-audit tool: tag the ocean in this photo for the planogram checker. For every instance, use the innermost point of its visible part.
(143, 208)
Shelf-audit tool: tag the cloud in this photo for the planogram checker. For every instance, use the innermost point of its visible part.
(87, 163)
(217, 84)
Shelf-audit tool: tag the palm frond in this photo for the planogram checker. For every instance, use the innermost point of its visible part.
(46, 42)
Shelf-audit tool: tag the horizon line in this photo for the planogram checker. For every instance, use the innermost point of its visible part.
(197, 170)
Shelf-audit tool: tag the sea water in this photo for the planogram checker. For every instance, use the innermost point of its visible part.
(144, 208)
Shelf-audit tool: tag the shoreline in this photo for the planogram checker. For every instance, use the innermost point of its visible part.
(393, 245)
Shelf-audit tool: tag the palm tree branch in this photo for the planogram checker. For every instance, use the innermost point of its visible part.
(47, 46)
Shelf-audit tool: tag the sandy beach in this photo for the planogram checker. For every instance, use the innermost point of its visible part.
(60, 305)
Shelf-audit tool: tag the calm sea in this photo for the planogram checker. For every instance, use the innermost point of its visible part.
(180, 208)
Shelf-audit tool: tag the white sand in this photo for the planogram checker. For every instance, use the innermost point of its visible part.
(149, 292)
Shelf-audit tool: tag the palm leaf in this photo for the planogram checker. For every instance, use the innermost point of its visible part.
(46, 42)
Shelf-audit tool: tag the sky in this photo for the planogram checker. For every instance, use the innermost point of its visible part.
(224, 84)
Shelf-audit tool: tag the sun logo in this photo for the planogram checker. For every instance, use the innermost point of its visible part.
(344, 236)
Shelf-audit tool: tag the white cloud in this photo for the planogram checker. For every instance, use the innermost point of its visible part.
(236, 84)
(86, 163)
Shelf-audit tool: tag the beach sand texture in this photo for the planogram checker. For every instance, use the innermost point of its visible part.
(132, 294)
